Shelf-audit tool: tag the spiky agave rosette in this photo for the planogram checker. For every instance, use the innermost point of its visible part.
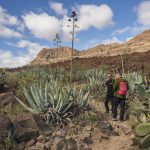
(56, 103)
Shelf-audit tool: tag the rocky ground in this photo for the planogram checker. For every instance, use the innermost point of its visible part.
(29, 132)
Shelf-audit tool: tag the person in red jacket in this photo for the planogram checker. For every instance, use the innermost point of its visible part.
(120, 91)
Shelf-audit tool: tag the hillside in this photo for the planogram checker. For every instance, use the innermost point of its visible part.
(140, 43)
(53, 55)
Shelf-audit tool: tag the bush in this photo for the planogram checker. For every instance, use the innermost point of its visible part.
(12, 79)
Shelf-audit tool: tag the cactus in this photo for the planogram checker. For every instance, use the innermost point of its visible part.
(143, 129)
(145, 143)
(143, 118)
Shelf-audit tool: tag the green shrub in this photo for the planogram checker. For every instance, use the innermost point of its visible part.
(12, 79)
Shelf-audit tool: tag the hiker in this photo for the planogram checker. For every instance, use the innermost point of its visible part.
(110, 93)
(120, 91)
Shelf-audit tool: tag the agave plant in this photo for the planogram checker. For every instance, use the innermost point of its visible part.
(82, 99)
(35, 74)
(96, 81)
(37, 98)
(57, 104)
(96, 74)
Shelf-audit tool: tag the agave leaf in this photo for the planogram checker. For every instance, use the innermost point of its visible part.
(68, 107)
(26, 107)
(35, 96)
(29, 99)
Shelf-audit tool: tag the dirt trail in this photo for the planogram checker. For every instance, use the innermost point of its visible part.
(119, 142)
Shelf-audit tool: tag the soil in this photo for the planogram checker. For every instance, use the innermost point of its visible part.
(102, 141)
(121, 142)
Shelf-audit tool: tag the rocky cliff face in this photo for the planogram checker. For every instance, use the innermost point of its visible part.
(54, 55)
(140, 43)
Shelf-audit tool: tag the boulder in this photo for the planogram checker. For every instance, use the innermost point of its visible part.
(86, 138)
(61, 143)
(104, 137)
(105, 126)
(25, 128)
(72, 144)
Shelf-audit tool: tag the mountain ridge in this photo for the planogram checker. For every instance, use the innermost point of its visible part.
(139, 43)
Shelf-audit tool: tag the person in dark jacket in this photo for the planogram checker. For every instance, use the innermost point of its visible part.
(110, 93)
(119, 99)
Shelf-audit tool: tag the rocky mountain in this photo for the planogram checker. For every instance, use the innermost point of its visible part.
(140, 43)
(54, 55)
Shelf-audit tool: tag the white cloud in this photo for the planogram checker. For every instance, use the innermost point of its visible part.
(111, 41)
(32, 48)
(128, 39)
(131, 30)
(142, 22)
(7, 19)
(94, 16)
(8, 33)
(143, 13)
(121, 31)
(42, 25)
(21, 27)
(8, 60)
(89, 16)
(65, 29)
(58, 8)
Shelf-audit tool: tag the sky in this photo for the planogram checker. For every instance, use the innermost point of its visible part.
(27, 26)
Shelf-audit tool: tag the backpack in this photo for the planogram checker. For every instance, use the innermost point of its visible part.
(123, 88)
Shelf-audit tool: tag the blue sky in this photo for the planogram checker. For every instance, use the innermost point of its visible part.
(27, 26)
